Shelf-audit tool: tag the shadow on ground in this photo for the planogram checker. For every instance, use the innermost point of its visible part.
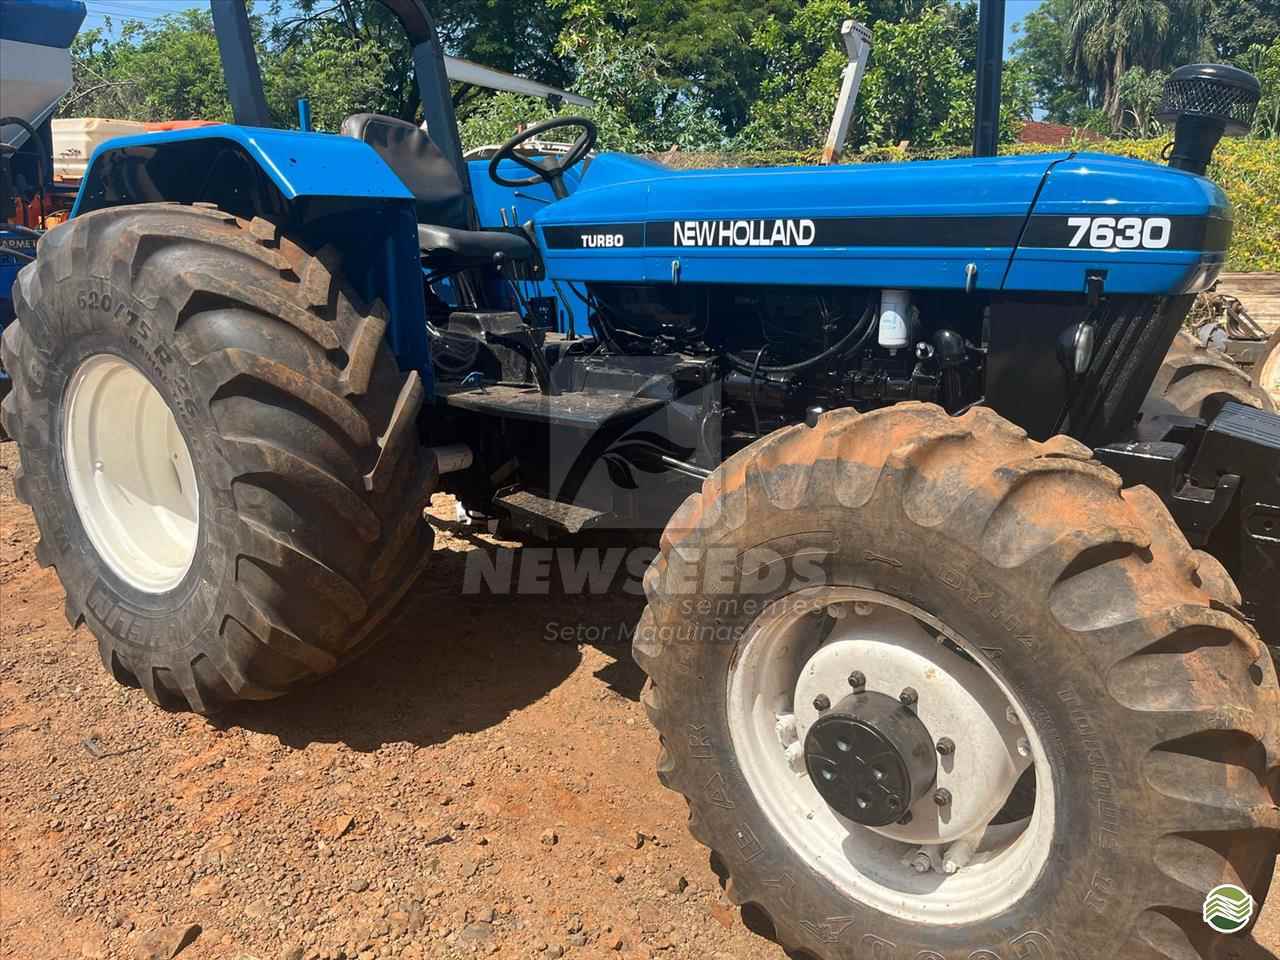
(456, 662)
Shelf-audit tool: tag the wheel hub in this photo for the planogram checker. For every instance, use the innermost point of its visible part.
(951, 698)
(870, 758)
(926, 718)
(130, 474)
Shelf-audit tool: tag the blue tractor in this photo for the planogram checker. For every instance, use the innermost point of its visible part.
(957, 631)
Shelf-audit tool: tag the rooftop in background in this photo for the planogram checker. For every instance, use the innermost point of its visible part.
(1055, 134)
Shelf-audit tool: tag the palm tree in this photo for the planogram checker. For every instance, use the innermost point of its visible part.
(1107, 37)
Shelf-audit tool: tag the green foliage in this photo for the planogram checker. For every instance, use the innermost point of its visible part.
(519, 36)
(171, 71)
(637, 108)
(1043, 48)
(706, 47)
(802, 62)
(1237, 25)
(310, 42)
(1107, 37)
(1264, 63)
(167, 71)
(1099, 63)
(337, 75)
(1138, 95)
(918, 86)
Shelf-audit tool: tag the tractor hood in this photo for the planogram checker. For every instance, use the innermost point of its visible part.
(985, 223)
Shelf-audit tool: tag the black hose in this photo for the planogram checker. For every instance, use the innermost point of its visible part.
(755, 371)
(855, 339)
(44, 170)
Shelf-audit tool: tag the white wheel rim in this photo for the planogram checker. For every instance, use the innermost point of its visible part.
(130, 474)
(770, 708)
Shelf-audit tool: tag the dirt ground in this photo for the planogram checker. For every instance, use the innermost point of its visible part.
(470, 788)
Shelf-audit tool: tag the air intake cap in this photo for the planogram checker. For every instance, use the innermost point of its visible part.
(1213, 91)
(1206, 101)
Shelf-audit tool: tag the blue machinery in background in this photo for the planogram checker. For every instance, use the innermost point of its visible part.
(35, 71)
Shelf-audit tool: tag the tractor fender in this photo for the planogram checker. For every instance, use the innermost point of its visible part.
(175, 165)
(321, 189)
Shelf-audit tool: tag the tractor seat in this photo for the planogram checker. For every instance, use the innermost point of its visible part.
(445, 231)
(449, 246)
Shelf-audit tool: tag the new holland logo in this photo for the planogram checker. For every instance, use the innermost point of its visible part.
(744, 233)
(1228, 908)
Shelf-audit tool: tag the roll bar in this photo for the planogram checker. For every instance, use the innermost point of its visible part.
(249, 103)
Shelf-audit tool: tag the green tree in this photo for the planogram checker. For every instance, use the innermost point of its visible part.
(1237, 25)
(919, 84)
(337, 74)
(518, 36)
(638, 108)
(168, 70)
(1264, 63)
(1138, 94)
(1107, 37)
(1044, 51)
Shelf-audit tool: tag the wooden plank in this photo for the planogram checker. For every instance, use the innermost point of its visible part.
(1260, 294)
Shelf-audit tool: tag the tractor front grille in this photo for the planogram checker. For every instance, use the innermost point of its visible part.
(1133, 336)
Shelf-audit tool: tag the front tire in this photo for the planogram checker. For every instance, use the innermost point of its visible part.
(1195, 381)
(290, 523)
(1155, 708)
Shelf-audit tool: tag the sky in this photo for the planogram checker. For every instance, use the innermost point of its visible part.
(119, 10)
(1014, 11)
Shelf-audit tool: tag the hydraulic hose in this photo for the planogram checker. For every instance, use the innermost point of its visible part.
(855, 339)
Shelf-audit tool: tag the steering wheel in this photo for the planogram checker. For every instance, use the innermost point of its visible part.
(552, 170)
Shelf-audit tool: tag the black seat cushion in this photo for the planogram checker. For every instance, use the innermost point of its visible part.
(471, 247)
(444, 230)
(419, 164)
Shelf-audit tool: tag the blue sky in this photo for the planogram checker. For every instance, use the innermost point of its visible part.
(119, 10)
(1014, 11)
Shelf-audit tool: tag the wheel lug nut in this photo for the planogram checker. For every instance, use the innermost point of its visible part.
(821, 703)
(1024, 747)
(942, 797)
(909, 697)
(921, 863)
(1011, 715)
(862, 608)
(857, 679)
(837, 611)
(946, 747)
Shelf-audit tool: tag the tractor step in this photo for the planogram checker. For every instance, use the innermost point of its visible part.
(581, 410)
(545, 518)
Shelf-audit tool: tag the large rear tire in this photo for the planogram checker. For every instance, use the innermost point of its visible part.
(288, 525)
(1150, 710)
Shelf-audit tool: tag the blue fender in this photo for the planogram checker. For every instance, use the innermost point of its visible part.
(321, 188)
(298, 164)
